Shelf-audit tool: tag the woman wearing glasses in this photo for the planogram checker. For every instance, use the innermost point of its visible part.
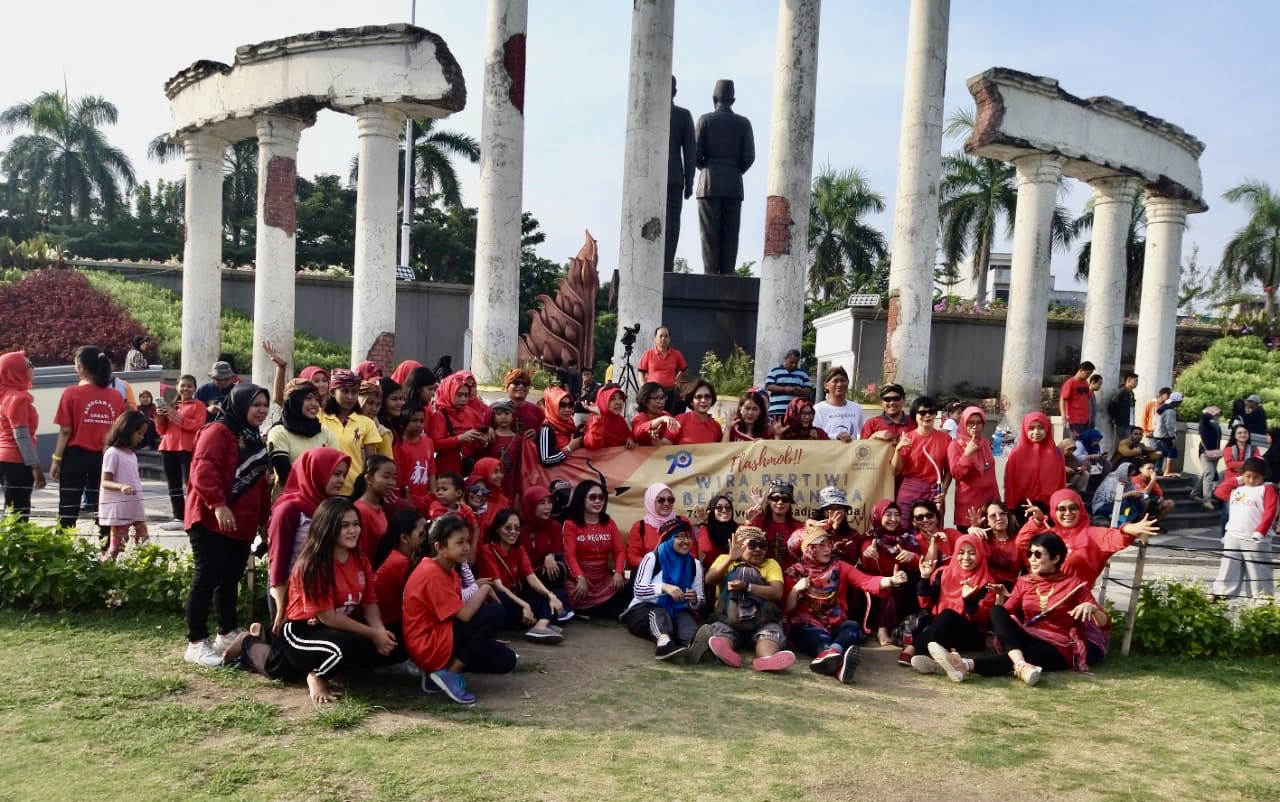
(668, 589)
(652, 426)
(777, 521)
(747, 606)
(593, 551)
(697, 425)
(1003, 559)
(659, 509)
(716, 533)
(1049, 622)
(920, 459)
(1090, 546)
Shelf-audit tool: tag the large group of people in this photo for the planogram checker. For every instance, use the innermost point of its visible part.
(408, 523)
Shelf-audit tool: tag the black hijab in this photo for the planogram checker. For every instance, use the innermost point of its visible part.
(291, 417)
(1272, 457)
(720, 532)
(251, 462)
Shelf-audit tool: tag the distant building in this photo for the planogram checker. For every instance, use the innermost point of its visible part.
(998, 272)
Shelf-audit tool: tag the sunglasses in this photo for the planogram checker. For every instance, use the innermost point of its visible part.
(722, 508)
(891, 399)
(520, 383)
(666, 500)
(756, 545)
(926, 413)
(776, 499)
(595, 497)
(924, 516)
(1039, 554)
(701, 396)
(1068, 508)
(997, 515)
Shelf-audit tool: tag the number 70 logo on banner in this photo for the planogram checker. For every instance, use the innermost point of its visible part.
(680, 459)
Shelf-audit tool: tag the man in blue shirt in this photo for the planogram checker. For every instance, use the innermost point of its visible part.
(214, 394)
(785, 383)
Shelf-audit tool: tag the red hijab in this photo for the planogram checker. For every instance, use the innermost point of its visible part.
(309, 476)
(1037, 468)
(15, 376)
(793, 428)
(403, 370)
(950, 596)
(614, 428)
(541, 537)
(465, 418)
(563, 427)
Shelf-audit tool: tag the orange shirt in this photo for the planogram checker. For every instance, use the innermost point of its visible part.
(693, 430)
(661, 368)
(89, 410)
(432, 597)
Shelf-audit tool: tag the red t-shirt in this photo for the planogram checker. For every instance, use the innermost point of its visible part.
(1075, 397)
(882, 423)
(16, 410)
(89, 410)
(662, 369)
(694, 431)
(389, 583)
(373, 525)
(416, 470)
(511, 568)
(432, 597)
(352, 587)
(916, 457)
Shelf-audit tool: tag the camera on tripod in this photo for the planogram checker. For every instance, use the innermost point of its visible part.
(629, 335)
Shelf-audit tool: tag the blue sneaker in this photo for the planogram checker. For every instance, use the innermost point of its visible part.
(453, 686)
(428, 687)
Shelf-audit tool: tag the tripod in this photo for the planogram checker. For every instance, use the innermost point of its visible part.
(629, 381)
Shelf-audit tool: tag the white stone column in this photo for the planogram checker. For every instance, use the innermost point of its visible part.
(644, 174)
(786, 237)
(1022, 372)
(202, 253)
(496, 293)
(1161, 275)
(1108, 269)
(915, 214)
(373, 303)
(276, 251)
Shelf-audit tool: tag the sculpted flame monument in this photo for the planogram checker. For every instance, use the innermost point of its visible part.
(563, 328)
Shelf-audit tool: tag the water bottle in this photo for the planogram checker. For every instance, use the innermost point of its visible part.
(997, 445)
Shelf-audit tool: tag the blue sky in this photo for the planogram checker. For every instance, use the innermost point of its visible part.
(1207, 69)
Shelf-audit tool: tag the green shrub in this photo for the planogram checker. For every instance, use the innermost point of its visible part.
(731, 377)
(1178, 617)
(160, 311)
(1232, 368)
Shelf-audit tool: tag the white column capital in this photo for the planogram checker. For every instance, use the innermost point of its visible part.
(1164, 209)
(199, 146)
(1114, 189)
(278, 131)
(1039, 168)
(378, 119)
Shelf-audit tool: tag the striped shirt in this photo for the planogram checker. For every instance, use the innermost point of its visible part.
(785, 378)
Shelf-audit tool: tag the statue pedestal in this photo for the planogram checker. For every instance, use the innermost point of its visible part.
(708, 313)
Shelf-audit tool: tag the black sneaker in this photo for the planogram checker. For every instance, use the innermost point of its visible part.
(669, 650)
(849, 663)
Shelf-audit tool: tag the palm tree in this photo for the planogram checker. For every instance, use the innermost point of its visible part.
(1253, 254)
(66, 157)
(840, 242)
(974, 194)
(1135, 248)
(240, 191)
(433, 154)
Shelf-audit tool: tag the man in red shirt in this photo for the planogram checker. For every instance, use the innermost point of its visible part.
(1074, 400)
(666, 366)
(893, 421)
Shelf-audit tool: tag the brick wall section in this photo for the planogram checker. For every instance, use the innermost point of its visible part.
(280, 209)
(513, 63)
(383, 352)
(777, 226)
(891, 324)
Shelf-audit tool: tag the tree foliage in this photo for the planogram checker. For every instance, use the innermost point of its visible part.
(1253, 254)
(843, 247)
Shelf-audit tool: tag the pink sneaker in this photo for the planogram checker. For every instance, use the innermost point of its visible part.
(778, 661)
(723, 649)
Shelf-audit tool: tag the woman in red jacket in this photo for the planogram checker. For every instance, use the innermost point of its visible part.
(920, 457)
(697, 425)
(178, 425)
(226, 506)
(609, 429)
(1049, 622)
(1089, 546)
(1035, 467)
(797, 423)
(652, 426)
(974, 468)
(19, 461)
(959, 597)
(543, 538)
(456, 428)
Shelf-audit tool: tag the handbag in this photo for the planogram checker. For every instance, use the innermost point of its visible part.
(1214, 454)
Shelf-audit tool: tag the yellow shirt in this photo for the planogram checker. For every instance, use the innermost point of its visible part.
(352, 437)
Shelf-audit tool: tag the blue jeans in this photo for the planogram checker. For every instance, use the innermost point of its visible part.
(812, 639)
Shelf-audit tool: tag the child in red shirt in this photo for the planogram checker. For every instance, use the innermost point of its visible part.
(373, 488)
(415, 462)
(333, 622)
(443, 634)
(406, 530)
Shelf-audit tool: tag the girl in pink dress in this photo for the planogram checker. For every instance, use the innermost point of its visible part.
(120, 504)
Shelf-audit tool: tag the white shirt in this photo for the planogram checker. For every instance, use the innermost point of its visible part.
(836, 420)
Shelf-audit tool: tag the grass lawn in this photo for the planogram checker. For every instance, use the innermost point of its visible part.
(101, 707)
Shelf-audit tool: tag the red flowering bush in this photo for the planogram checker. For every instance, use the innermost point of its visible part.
(51, 313)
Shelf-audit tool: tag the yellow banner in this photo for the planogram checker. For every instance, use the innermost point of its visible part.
(698, 473)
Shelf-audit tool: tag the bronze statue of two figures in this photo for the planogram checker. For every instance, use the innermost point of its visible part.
(721, 145)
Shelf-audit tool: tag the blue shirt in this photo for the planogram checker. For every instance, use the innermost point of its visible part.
(785, 378)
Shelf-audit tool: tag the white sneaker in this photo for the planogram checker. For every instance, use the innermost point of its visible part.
(221, 642)
(173, 526)
(202, 653)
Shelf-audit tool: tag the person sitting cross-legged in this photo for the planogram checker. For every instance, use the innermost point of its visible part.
(668, 589)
